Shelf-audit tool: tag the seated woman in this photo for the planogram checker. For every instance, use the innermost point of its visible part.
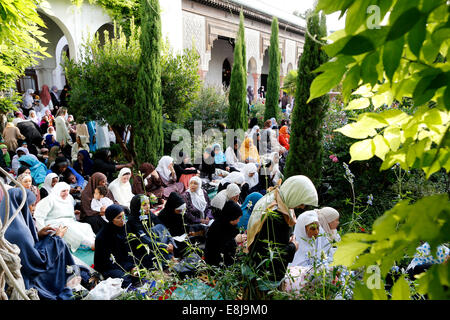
(232, 192)
(83, 164)
(312, 244)
(50, 180)
(148, 182)
(43, 257)
(223, 236)
(26, 180)
(270, 171)
(249, 153)
(283, 137)
(50, 141)
(37, 168)
(62, 168)
(168, 176)
(121, 188)
(251, 177)
(172, 217)
(81, 143)
(88, 215)
(233, 157)
(247, 208)
(58, 209)
(149, 231)
(198, 205)
(237, 178)
(103, 163)
(15, 164)
(184, 169)
(329, 221)
(111, 256)
(295, 192)
(220, 160)
(75, 188)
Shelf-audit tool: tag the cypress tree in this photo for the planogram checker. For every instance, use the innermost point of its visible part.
(148, 108)
(306, 151)
(273, 79)
(237, 111)
(242, 37)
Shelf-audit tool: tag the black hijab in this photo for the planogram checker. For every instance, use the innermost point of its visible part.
(173, 221)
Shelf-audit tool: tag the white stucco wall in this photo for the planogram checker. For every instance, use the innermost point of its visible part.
(221, 50)
(172, 23)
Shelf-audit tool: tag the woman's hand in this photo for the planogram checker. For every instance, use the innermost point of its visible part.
(61, 231)
(45, 231)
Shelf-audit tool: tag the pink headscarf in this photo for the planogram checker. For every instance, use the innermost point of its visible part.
(45, 95)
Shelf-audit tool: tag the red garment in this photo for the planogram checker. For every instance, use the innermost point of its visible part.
(283, 137)
(45, 95)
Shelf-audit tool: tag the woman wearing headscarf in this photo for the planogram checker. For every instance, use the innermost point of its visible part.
(15, 164)
(55, 98)
(121, 188)
(50, 141)
(6, 155)
(58, 209)
(102, 135)
(283, 137)
(232, 192)
(255, 136)
(198, 205)
(184, 169)
(234, 177)
(50, 180)
(148, 182)
(111, 257)
(172, 217)
(27, 182)
(83, 164)
(37, 168)
(271, 222)
(62, 168)
(88, 215)
(223, 236)
(46, 99)
(10, 136)
(33, 117)
(80, 144)
(150, 231)
(219, 157)
(103, 164)
(50, 131)
(233, 157)
(274, 124)
(270, 171)
(43, 257)
(168, 176)
(62, 131)
(207, 167)
(251, 177)
(329, 221)
(249, 153)
(27, 101)
(247, 208)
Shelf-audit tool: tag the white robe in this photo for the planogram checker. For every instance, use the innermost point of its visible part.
(122, 191)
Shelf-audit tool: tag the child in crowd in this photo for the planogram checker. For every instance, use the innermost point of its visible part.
(101, 201)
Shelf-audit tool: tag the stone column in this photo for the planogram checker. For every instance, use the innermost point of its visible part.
(202, 74)
(255, 84)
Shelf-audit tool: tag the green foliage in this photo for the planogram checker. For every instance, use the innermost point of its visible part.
(257, 111)
(148, 110)
(408, 57)
(210, 108)
(180, 82)
(20, 45)
(273, 79)
(290, 83)
(306, 151)
(237, 112)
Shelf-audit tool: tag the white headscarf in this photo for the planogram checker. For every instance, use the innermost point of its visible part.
(223, 196)
(28, 99)
(122, 191)
(327, 215)
(48, 182)
(295, 191)
(253, 131)
(163, 167)
(251, 168)
(197, 197)
(35, 119)
(308, 248)
(234, 177)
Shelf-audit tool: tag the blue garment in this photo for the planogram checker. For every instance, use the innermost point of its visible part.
(424, 256)
(80, 180)
(87, 163)
(91, 130)
(247, 208)
(43, 261)
(49, 141)
(219, 158)
(37, 168)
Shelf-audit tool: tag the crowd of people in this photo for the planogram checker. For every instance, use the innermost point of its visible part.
(77, 198)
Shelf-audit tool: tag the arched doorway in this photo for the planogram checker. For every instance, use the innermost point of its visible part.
(109, 27)
(226, 73)
(219, 67)
(265, 70)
